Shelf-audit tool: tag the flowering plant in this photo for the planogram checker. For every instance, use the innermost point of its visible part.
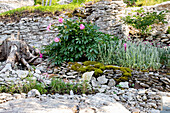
(76, 41)
(144, 20)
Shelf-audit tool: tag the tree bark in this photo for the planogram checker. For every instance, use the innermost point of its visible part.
(14, 50)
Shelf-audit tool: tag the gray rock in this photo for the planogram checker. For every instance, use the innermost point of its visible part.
(154, 111)
(87, 76)
(22, 74)
(34, 93)
(71, 92)
(17, 96)
(165, 80)
(124, 84)
(116, 97)
(111, 83)
(94, 83)
(102, 79)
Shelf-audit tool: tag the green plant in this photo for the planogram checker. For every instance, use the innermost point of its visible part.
(61, 87)
(74, 43)
(23, 88)
(168, 30)
(148, 2)
(164, 54)
(143, 20)
(130, 2)
(139, 55)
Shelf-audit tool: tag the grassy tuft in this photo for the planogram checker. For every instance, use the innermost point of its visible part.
(55, 7)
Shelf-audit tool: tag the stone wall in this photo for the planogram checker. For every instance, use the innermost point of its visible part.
(106, 15)
(33, 29)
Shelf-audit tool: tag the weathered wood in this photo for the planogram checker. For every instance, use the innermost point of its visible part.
(15, 50)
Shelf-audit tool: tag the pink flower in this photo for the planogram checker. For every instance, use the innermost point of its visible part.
(125, 46)
(82, 26)
(56, 39)
(48, 27)
(60, 20)
(41, 55)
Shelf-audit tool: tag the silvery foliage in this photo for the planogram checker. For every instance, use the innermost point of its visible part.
(140, 55)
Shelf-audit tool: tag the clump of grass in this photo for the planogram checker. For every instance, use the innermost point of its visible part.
(149, 2)
(55, 7)
(56, 86)
(139, 55)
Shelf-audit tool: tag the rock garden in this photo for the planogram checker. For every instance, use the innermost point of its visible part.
(99, 58)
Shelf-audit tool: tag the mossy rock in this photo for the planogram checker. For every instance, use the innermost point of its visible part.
(70, 63)
(90, 68)
(127, 74)
(123, 79)
(86, 63)
(97, 72)
(98, 65)
(102, 67)
(168, 73)
(76, 66)
(117, 80)
(125, 69)
(144, 71)
(112, 67)
(73, 67)
(82, 69)
(128, 70)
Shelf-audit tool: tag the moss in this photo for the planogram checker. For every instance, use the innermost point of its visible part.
(123, 70)
(70, 63)
(82, 69)
(123, 78)
(102, 67)
(73, 67)
(97, 72)
(76, 66)
(90, 68)
(128, 70)
(127, 74)
(98, 65)
(112, 67)
(86, 63)
(118, 80)
(168, 73)
(144, 71)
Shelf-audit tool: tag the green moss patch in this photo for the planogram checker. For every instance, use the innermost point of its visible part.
(98, 69)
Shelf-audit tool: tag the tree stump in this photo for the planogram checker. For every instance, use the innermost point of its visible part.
(14, 50)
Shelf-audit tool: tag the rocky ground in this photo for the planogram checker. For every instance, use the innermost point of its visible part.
(145, 92)
(109, 97)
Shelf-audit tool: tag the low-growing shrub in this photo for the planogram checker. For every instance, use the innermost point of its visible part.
(23, 87)
(76, 41)
(139, 55)
(143, 20)
(61, 87)
(56, 86)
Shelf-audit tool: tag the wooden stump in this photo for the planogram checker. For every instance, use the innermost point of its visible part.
(15, 50)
